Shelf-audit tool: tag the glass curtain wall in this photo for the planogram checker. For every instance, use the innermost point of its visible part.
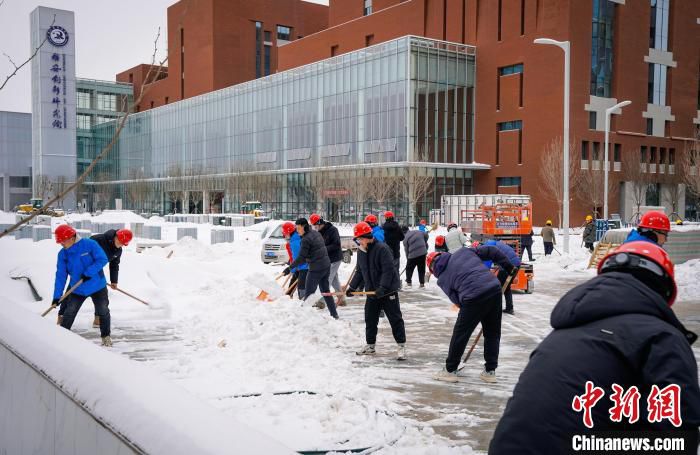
(312, 138)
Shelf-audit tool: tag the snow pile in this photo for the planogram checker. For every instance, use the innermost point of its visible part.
(118, 216)
(688, 279)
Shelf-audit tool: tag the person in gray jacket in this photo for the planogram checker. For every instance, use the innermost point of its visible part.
(313, 252)
(415, 245)
(455, 238)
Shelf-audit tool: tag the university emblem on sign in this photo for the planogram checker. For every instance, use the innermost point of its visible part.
(57, 35)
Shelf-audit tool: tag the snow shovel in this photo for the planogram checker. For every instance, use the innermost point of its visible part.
(133, 297)
(68, 292)
(331, 294)
(267, 291)
(478, 335)
(339, 301)
(555, 249)
(36, 295)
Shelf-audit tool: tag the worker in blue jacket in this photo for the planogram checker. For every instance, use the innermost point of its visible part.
(301, 270)
(81, 259)
(377, 230)
(514, 259)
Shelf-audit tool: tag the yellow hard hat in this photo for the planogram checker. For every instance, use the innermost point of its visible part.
(589, 218)
(526, 219)
(549, 222)
(679, 221)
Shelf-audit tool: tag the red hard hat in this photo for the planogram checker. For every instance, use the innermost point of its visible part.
(645, 256)
(431, 259)
(440, 240)
(388, 214)
(124, 236)
(362, 229)
(475, 244)
(422, 221)
(655, 220)
(288, 228)
(370, 219)
(64, 232)
(314, 218)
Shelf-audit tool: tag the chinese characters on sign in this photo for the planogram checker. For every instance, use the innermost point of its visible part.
(59, 117)
(662, 404)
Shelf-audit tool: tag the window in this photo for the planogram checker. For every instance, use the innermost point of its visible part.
(20, 182)
(334, 50)
(284, 33)
(662, 155)
(102, 119)
(596, 151)
(508, 126)
(83, 122)
(602, 48)
(368, 8)
(267, 60)
(658, 39)
(258, 45)
(617, 153)
(106, 102)
(131, 78)
(643, 154)
(152, 104)
(512, 69)
(652, 155)
(268, 36)
(671, 156)
(653, 194)
(650, 126)
(369, 39)
(592, 120)
(83, 100)
(508, 181)
(584, 151)
(167, 99)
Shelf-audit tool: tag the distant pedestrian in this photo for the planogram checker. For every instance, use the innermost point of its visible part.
(415, 245)
(377, 230)
(473, 288)
(526, 244)
(422, 226)
(393, 236)
(589, 232)
(617, 340)
(548, 238)
(376, 272)
(455, 238)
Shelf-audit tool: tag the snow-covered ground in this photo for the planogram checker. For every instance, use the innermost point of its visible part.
(205, 331)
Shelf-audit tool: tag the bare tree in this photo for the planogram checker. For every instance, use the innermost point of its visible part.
(590, 189)
(636, 179)
(29, 59)
(44, 186)
(672, 190)
(690, 167)
(360, 189)
(137, 190)
(416, 182)
(383, 187)
(60, 186)
(551, 183)
(104, 152)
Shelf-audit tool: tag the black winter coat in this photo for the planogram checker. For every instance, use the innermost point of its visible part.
(526, 239)
(393, 236)
(114, 254)
(375, 269)
(611, 329)
(589, 233)
(331, 238)
(313, 252)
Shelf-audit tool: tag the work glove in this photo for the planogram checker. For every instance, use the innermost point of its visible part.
(285, 272)
(380, 292)
(54, 302)
(349, 291)
(85, 278)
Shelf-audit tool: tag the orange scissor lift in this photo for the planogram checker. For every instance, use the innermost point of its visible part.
(504, 218)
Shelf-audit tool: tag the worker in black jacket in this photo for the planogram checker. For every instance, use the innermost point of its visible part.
(313, 252)
(617, 329)
(393, 236)
(376, 272)
(331, 238)
(111, 243)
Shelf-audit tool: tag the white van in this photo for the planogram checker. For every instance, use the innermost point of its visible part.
(274, 244)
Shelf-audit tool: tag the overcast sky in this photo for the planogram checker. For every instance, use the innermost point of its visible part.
(111, 37)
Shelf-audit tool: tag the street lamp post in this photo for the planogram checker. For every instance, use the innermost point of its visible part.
(606, 164)
(565, 46)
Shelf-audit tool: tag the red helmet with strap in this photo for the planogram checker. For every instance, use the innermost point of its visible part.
(388, 214)
(315, 218)
(422, 222)
(124, 236)
(371, 219)
(642, 255)
(64, 232)
(430, 260)
(440, 240)
(362, 229)
(655, 220)
(288, 228)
